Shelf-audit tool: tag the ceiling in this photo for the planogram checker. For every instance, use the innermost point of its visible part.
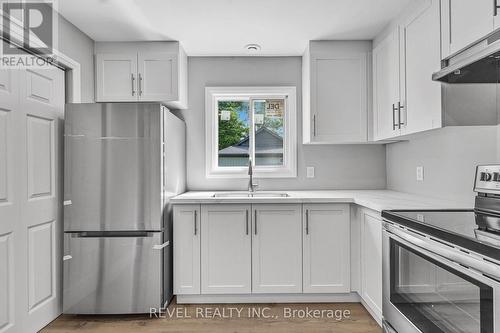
(224, 27)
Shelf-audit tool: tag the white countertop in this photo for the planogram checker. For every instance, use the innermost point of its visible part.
(374, 199)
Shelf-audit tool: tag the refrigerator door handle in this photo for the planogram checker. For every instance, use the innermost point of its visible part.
(110, 234)
(161, 246)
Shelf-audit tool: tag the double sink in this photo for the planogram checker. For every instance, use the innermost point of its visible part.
(238, 194)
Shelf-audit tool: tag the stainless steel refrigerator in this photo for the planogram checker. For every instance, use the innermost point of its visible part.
(123, 161)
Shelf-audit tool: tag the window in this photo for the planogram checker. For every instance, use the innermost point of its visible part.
(256, 124)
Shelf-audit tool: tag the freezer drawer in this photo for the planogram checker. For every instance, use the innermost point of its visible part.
(119, 274)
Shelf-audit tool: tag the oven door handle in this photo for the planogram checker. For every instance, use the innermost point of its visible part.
(452, 254)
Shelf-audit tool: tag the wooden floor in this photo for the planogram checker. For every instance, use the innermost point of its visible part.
(358, 322)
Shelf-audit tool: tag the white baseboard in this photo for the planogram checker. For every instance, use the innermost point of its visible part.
(375, 314)
(352, 297)
(268, 298)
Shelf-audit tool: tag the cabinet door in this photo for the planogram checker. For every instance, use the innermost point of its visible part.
(326, 248)
(421, 96)
(467, 21)
(339, 97)
(277, 249)
(158, 78)
(371, 260)
(116, 77)
(226, 263)
(186, 249)
(386, 80)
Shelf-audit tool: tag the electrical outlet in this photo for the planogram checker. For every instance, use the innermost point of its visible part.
(420, 173)
(310, 172)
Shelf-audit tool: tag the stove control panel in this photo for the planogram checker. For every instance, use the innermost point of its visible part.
(487, 179)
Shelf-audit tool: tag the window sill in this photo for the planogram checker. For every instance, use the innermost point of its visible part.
(241, 173)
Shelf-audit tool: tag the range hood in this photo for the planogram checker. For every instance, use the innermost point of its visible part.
(477, 64)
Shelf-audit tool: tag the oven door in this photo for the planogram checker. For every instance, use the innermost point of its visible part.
(425, 291)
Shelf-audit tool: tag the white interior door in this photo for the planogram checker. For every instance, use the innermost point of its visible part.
(157, 75)
(42, 107)
(226, 253)
(31, 239)
(277, 249)
(326, 248)
(10, 120)
(116, 77)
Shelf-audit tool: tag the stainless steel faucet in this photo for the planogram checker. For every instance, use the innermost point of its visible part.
(251, 185)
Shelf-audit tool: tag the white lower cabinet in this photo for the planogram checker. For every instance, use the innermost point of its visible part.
(371, 260)
(226, 254)
(277, 248)
(326, 248)
(243, 249)
(186, 250)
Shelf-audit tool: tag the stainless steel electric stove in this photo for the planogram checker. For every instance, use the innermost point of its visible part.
(442, 267)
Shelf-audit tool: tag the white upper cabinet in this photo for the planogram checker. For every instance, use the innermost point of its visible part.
(421, 97)
(466, 21)
(335, 90)
(141, 72)
(326, 248)
(386, 86)
(405, 99)
(226, 254)
(116, 77)
(156, 76)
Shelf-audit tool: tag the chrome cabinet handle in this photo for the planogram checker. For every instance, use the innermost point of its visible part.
(133, 84)
(195, 218)
(400, 106)
(246, 222)
(307, 222)
(314, 125)
(394, 109)
(140, 84)
(67, 257)
(255, 222)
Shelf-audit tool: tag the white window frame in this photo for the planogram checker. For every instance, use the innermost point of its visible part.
(289, 167)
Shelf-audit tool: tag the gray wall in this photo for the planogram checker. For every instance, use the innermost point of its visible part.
(337, 167)
(449, 157)
(78, 46)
